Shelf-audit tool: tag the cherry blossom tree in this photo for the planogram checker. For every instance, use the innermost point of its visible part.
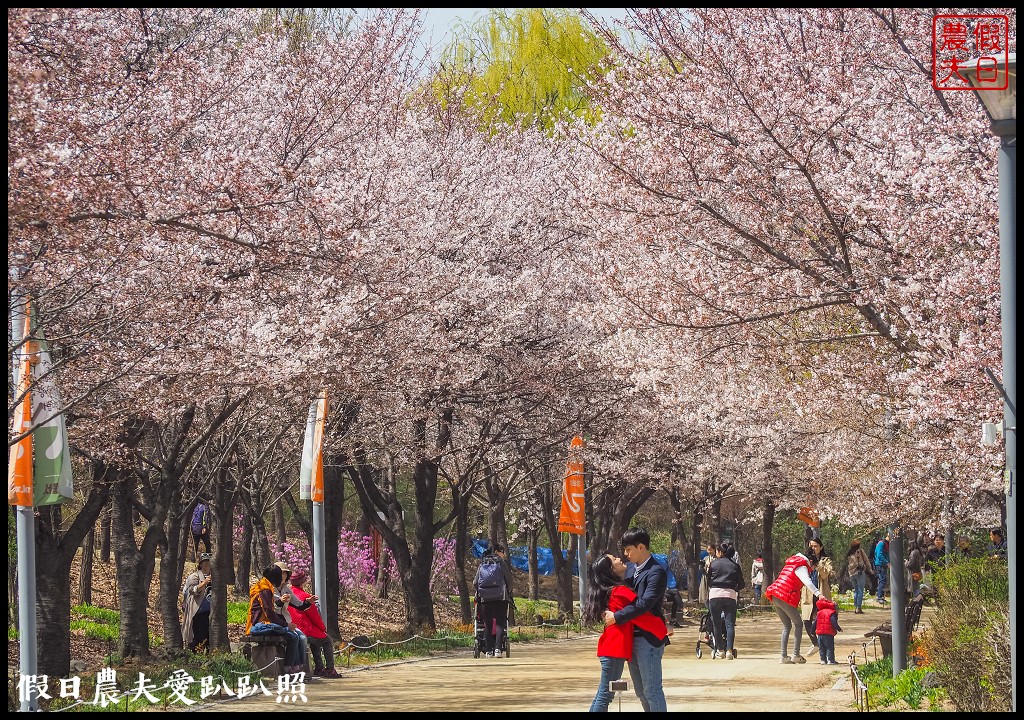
(766, 185)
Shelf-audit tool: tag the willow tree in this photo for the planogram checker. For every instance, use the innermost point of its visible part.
(530, 65)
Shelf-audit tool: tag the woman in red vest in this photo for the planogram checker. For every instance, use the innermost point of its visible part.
(608, 591)
(785, 596)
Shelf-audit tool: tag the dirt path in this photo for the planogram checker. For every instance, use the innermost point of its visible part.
(562, 675)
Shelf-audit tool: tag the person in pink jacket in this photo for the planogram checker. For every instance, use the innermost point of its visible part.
(784, 594)
(311, 623)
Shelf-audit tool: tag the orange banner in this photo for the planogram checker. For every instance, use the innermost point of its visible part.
(572, 518)
(317, 485)
(19, 468)
(810, 516)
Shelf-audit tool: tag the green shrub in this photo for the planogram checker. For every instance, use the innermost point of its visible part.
(97, 631)
(97, 614)
(905, 691)
(968, 639)
(237, 612)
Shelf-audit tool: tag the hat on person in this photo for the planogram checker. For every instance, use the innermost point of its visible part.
(203, 556)
(298, 577)
(855, 542)
(284, 568)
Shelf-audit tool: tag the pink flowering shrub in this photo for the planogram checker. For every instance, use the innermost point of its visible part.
(357, 566)
(442, 572)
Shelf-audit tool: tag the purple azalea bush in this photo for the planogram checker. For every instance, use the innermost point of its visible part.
(357, 567)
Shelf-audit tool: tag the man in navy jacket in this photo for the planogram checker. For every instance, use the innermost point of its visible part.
(649, 580)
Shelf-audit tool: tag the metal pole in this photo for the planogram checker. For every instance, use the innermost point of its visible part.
(581, 554)
(319, 557)
(898, 599)
(27, 599)
(1007, 282)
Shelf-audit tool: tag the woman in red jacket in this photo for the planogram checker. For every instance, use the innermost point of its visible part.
(311, 623)
(785, 596)
(607, 591)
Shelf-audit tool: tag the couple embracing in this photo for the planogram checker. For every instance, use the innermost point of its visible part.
(627, 598)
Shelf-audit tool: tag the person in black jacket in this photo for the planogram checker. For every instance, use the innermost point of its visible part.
(723, 597)
(648, 580)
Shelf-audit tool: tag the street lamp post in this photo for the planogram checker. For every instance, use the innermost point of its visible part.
(1001, 106)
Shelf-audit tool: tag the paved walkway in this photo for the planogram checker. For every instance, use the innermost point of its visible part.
(562, 675)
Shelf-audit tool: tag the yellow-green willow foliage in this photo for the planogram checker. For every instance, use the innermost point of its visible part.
(525, 67)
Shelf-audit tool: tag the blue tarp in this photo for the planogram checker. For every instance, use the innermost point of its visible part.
(518, 557)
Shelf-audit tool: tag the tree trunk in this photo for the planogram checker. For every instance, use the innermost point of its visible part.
(221, 564)
(261, 553)
(716, 519)
(243, 577)
(563, 565)
(303, 518)
(171, 573)
(85, 572)
(105, 535)
(531, 560)
(280, 525)
(460, 501)
(412, 559)
(133, 573)
(696, 544)
(768, 526)
(55, 553)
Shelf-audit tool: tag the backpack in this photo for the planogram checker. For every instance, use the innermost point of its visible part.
(490, 580)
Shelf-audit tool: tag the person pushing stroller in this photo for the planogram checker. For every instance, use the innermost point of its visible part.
(493, 588)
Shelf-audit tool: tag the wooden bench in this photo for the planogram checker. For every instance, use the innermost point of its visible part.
(266, 652)
(911, 619)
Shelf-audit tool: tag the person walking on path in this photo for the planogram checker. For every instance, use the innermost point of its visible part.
(608, 592)
(757, 577)
(785, 596)
(311, 624)
(826, 628)
(857, 565)
(195, 630)
(649, 581)
(723, 598)
(494, 608)
(881, 561)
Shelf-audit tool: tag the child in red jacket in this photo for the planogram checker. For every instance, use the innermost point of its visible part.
(310, 623)
(826, 628)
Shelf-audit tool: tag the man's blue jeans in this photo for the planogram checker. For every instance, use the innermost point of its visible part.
(611, 669)
(882, 572)
(645, 671)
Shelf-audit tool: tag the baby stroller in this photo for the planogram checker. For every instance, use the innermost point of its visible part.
(705, 634)
(480, 628)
